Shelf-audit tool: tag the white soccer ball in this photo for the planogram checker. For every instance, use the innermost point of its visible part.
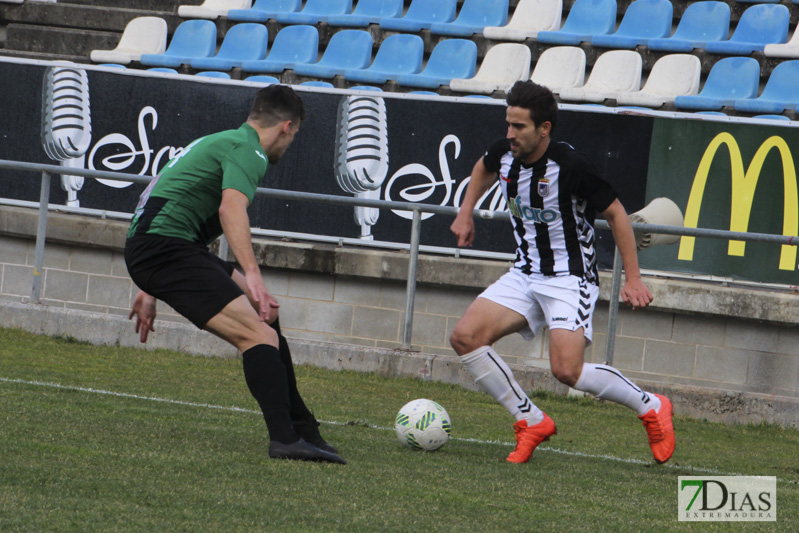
(423, 425)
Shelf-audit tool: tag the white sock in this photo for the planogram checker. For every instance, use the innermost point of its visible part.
(609, 384)
(495, 377)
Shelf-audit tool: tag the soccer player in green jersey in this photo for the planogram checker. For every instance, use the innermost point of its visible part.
(202, 193)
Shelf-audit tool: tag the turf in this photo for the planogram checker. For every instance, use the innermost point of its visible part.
(101, 452)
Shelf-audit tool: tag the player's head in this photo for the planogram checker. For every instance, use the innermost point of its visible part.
(531, 115)
(277, 107)
(537, 100)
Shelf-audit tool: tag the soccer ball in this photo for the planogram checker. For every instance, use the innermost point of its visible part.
(423, 425)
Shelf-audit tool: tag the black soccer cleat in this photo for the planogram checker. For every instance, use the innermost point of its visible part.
(308, 430)
(302, 451)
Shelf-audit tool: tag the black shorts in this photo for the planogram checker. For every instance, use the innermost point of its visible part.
(185, 275)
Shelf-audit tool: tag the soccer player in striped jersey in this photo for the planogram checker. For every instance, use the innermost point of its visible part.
(553, 194)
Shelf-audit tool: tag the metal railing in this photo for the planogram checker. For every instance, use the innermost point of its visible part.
(413, 247)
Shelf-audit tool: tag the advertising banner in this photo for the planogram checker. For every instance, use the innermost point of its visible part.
(421, 150)
(727, 176)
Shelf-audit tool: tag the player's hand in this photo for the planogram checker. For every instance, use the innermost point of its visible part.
(636, 294)
(266, 303)
(463, 228)
(144, 311)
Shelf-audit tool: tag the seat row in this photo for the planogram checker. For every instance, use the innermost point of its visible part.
(441, 17)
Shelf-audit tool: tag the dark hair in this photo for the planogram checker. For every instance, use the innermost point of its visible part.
(537, 99)
(276, 103)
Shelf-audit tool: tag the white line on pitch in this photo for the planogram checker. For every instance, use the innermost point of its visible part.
(476, 441)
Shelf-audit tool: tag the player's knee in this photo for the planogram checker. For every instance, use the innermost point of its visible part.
(463, 340)
(566, 375)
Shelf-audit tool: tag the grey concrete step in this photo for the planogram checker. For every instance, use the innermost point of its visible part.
(58, 41)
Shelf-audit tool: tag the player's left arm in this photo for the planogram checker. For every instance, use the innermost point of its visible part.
(634, 291)
(143, 309)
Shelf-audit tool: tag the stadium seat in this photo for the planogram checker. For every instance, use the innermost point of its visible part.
(142, 35)
(789, 50)
(585, 19)
(401, 53)
(192, 39)
(643, 20)
(112, 65)
(730, 78)
(316, 11)
(293, 45)
(502, 66)
(366, 88)
(242, 42)
(614, 72)
(263, 10)
(263, 79)
(758, 26)
(780, 94)
(212, 9)
(163, 70)
(773, 117)
(529, 17)
(213, 74)
(347, 49)
(451, 58)
(473, 17)
(368, 12)
(318, 83)
(560, 67)
(701, 23)
(671, 76)
(422, 14)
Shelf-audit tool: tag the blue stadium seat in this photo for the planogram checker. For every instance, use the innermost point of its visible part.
(585, 19)
(366, 88)
(758, 26)
(316, 11)
(473, 17)
(263, 79)
(192, 39)
(163, 70)
(643, 20)
(773, 117)
(781, 92)
(399, 54)
(242, 42)
(422, 14)
(701, 23)
(213, 74)
(450, 59)
(293, 45)
(317, 83)
(263, 10)
(347, 49)
(730, 78)
(368, 12)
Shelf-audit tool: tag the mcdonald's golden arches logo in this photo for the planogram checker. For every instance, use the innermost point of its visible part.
(744, 183)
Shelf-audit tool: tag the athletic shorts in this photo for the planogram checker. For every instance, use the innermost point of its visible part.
(184, 275)
(560, 302)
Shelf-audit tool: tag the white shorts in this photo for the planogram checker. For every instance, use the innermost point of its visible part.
(560, 302)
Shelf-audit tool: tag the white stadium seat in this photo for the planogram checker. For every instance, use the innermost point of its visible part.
(502, 65)
(529, 17)
(212, 9)
(559, 68)
(142, 35)
(671, 76)
(614, 72)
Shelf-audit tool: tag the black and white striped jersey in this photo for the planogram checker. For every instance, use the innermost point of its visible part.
(553, 203)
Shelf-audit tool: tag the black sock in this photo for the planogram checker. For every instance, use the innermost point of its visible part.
(298, 409)
(266, 378)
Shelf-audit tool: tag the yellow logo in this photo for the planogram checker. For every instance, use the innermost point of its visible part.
(744, 184)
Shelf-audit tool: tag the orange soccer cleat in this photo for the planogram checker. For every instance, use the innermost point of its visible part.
(529, 437)
(660, 430)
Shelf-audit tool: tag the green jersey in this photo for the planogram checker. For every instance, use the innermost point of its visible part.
(183, 200)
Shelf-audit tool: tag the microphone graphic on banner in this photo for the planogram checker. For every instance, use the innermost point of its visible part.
(66, 122)
(362, 154)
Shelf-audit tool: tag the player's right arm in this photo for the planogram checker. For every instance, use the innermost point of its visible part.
(479, 182)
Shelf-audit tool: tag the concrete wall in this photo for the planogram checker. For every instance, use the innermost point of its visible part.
(722, 353)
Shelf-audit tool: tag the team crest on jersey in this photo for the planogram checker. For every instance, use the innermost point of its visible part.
(543, 187)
